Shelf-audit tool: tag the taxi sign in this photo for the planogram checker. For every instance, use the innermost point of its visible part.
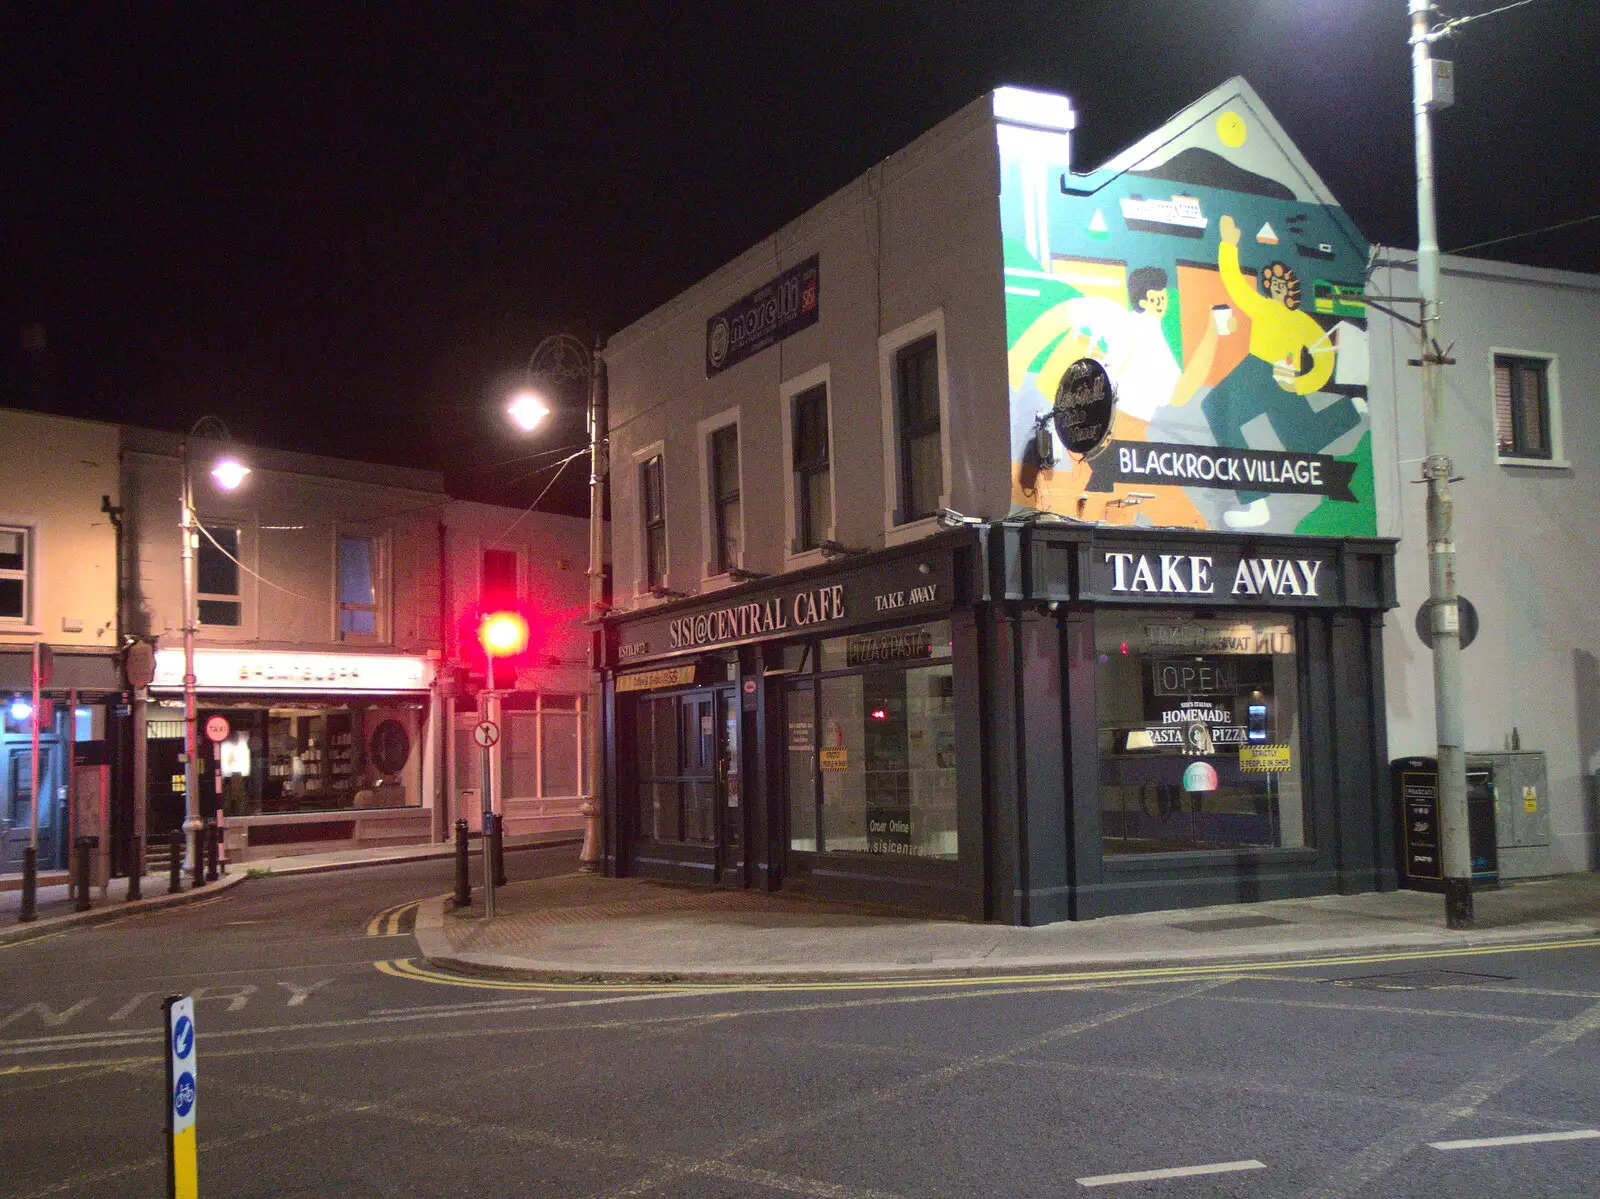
(217, 729)
(183, 1171)
(486, 733)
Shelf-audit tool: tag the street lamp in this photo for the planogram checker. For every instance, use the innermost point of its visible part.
(560, 358)
(228, 473)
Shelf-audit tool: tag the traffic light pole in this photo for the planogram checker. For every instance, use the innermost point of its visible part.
(487, 706)
(599, 484)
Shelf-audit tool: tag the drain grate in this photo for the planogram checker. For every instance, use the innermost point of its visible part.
(1228, 923)
(1419, 980)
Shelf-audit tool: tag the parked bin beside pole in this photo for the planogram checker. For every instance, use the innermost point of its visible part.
(1417, 845)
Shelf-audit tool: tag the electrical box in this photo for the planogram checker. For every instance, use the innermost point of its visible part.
(1439, 85)
(1518, 783)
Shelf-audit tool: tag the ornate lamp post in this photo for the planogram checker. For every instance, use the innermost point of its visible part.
(563, 359)
(228, 473)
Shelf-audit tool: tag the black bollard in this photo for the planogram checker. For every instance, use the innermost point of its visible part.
(463, 880)
(499, 843)
(197, 868)
(213, 836)
(175, 867)
(30, 885)
(80, 871)
(135, 866)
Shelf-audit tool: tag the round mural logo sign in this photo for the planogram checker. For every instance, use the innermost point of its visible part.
(1084, 402)
(717, 344)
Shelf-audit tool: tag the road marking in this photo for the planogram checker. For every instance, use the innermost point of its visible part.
(406, 968)
(1532, 1138)
(1105, 1180)
(387, 922)
(298, 993)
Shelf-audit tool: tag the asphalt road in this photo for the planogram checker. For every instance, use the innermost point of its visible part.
(321, 1074)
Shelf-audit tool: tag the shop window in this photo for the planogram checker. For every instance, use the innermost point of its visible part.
(541, 749)
(358, 588)
(813, 477)
(558, 752)
(872, 750)
(16, 574)
(653, 513)
(918, 424)
(1522, 407)
(677, 762)
(1200, 737)
(727, 524)
(218, 599)
(498, 580)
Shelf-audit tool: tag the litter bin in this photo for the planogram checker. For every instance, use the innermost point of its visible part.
(1418, 843)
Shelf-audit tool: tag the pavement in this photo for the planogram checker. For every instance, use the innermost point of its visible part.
(56, 906)
(582, 927)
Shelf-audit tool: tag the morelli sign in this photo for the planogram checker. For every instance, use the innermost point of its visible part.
(1218, 575)
(763, 318)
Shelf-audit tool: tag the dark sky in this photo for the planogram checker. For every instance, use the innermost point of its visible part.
(344, 226)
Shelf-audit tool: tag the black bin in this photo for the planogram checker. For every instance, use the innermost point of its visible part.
(1417, 825)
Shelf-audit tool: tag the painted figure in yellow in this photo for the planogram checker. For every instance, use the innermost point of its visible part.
(1269, 380)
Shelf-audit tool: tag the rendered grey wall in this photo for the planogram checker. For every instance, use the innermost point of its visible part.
(1527, 543)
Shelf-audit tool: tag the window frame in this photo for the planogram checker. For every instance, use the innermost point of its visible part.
(713, 506)
(653, 456)
(212, 527)
(29, 575)
(484, 550)
(898, 527)
(378, 564)
(1551, 372)
(790, 393)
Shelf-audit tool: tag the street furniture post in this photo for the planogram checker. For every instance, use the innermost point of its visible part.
(135, 866)
(175, 861)
(183, 1160)
(80, 871)
(463, 877)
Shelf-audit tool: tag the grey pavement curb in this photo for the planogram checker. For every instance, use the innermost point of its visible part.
(437, 952)
(444, 851)
(114, 909)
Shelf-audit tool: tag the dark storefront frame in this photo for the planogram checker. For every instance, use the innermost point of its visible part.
(1021, 599)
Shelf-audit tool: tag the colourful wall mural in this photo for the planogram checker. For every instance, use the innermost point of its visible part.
(1221, 292)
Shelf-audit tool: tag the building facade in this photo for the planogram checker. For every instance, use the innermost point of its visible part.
(1001, 540)
(58, 589)
(1524, 449)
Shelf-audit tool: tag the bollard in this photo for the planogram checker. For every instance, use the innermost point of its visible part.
(463, 880)
(80, 871)
(211, 834)
(30, 885)
(175, 867)
(197, 868)
(499, 843)
(135, 866)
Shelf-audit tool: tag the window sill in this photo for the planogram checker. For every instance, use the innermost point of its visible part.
(710, 583)
(803, 559)
(1535, 463)
(914, 530)
(21, 630)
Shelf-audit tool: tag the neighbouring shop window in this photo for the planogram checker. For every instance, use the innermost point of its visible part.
(16, 565)
(302, 757)
(1522, 407)
(358, 588)
(1200, 738)
(217, 578)
(727, 526)
(871, 746)
(541, 750)
(813, 486)
(917, 403)
(654, 512)
(499, 577)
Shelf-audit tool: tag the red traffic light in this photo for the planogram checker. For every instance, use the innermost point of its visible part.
(503, 634)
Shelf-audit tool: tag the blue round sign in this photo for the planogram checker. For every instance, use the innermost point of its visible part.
(183, 1036)
(183, 1094)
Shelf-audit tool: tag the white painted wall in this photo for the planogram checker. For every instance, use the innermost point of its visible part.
(1527, 541)
(917, 236)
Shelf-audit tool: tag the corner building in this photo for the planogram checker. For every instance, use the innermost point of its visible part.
(904, 618)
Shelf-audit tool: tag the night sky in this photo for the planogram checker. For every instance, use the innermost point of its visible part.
(343, 227)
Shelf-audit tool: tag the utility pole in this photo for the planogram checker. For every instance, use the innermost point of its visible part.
(1444, 612)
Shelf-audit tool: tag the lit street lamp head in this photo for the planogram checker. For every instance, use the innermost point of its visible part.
(527, 410)
(229, 473)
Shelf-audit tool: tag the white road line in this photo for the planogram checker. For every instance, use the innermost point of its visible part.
(1531, 1138)
(1104, 1180)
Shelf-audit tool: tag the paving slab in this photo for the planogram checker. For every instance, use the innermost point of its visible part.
(589, 927)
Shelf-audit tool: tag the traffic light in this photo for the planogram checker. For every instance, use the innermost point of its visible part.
(503, 634)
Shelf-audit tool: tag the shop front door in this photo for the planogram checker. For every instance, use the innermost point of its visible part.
(17, 823)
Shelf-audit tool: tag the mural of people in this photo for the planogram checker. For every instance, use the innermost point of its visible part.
(1269, 381)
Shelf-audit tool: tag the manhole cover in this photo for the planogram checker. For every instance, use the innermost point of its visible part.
(1227, 923)
(1419, 980)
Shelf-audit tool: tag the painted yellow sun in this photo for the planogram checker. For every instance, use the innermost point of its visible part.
(1231, 129)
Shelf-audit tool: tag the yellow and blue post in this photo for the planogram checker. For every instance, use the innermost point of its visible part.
(183, 1162)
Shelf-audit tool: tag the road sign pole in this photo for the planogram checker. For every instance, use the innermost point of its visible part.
(183, 1163)
(486, 792)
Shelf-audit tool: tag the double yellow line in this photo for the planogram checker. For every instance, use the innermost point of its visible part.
(409, 968)
(387, 922)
